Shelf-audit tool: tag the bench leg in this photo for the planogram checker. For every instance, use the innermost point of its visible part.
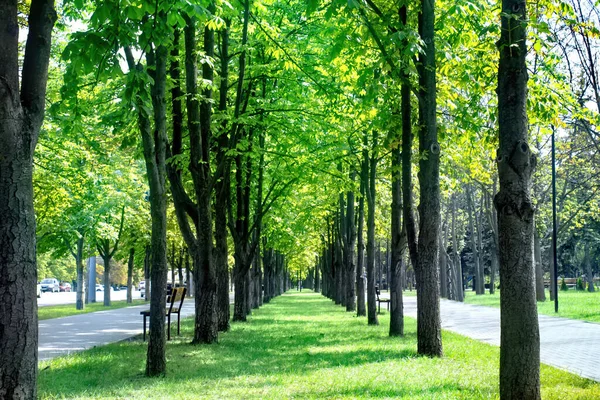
(144, 335)
(169, 327)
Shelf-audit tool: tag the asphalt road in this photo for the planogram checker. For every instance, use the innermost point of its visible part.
(52, 299)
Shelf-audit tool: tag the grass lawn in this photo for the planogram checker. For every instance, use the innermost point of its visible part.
(571, 304)
(299, 346)
(65, 310)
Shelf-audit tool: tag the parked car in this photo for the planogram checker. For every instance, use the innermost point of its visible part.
(100, 288)
(142, 285)
(50, 285)
(65, 287)
(39, 290)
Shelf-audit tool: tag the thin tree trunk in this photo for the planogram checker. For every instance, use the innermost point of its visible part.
(361, 308)
(397, 306)
(106, 280)
(371, 193)
(540, 293)
(458, 279)
(589, 274)
(474, 248)
(519, 337)
(130, 262)
(79, 299)
(443, 265)
(351, 244)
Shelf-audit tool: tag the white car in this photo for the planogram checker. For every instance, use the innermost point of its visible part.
(39, 290)
(50, 285)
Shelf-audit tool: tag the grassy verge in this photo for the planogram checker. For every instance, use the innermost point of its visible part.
(571, 304)
(298, 346)
(65, 310)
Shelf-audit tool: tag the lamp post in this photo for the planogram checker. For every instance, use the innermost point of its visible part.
(555, 282)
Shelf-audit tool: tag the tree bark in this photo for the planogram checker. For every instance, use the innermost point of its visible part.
(130, 275)
(21, 116)
(589, 274)
(223, 193)
(474, 249)
(361, 307)
(443, 264)
(371, 192)
(106, 280)
(154, 143)
(429, 327)
(79, 299)
(519, 338)
(396, 306)
(351, 244)
(540, 292)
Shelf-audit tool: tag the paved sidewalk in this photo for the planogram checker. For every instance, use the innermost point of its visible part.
(62, 336)
(567, 344)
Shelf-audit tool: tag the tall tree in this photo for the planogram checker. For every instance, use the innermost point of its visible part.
(21, 114)
(429, 326)
(369, 174)
(519, 337)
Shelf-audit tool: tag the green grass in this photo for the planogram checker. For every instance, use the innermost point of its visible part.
(571, 304)
(299, 346)
(65, 310)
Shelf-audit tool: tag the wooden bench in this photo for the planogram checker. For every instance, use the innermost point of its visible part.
(380, 300)
(174, 304)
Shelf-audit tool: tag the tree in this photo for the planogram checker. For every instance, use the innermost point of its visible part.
(519, 339)
(22, 113)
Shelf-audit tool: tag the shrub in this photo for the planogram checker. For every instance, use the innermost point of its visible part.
(580, 284)
(563, 285)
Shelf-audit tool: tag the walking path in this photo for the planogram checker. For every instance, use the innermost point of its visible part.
(62, 336)
(567, 344)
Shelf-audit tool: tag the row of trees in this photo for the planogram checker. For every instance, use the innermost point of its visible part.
(241, 106)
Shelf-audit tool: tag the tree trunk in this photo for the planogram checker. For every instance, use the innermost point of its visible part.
(106, 280)
(474, 249)
(371, 193)
(351, 244)
(79, 299)
(458, 279)
(361, 307)
(188, 274)
(240, 297)
(429, 327)
(480, 246)
(443, 265)
(540, 293)
(588, 268)
(317, 288)
(223, 193)
(154, 143)
(396, 306)
(21, 116)
(130, 275)
(147, 268)
(519, 337)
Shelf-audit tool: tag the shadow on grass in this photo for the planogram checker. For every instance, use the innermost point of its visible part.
(296, 333)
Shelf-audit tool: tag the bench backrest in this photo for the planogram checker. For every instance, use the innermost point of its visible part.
(177, 296)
